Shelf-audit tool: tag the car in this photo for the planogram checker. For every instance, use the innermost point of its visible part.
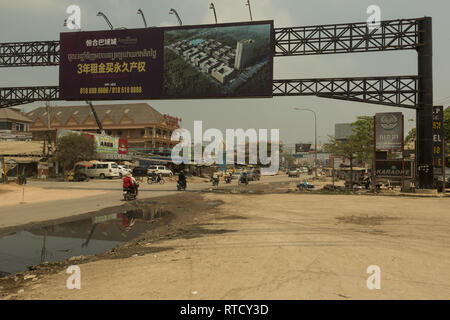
(103, 170)
(163, 170)
(294, 172)
(123, 170)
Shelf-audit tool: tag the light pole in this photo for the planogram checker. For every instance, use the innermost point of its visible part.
(249, 9)
(101, 14)
(315, 136)
(143, 18)
(173, 11)
(213, 8)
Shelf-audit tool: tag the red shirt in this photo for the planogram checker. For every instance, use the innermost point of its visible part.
(127, 182)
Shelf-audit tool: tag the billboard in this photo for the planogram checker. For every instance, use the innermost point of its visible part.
(103, 143)
(438, 139)
(393, 169)
(205, 61)
(302, 147)
(389, 130)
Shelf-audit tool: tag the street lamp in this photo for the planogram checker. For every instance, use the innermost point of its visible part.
(315, 136)
(249, 9)
(143, 18)
(213, 8)
(101, 14)
(173, 11)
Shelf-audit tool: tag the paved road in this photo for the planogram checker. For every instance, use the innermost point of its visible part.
(50, 210)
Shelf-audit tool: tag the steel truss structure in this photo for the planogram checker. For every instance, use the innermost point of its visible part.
(401, 91)
(390, 91)
(345, 38)
(26, 54)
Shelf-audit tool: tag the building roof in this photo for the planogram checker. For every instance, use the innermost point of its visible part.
(19, 148)
(13, 114)
(138, 113)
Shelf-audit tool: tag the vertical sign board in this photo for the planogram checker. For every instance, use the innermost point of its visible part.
(438, 140)
(388, 131)
(187, 62)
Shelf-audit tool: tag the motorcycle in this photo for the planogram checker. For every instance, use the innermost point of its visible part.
(228, 179)
(181, 186)
(215, 182)
(129, 194)
(151, 180)
(243, 180)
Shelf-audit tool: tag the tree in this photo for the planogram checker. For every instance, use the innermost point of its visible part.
(363, 137)
(411, 136)
(74, 147)
(348, 149)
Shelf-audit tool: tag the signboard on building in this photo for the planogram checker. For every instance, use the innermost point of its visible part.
(438, 140)
(302, 147)
(104, 144)
(389, 130)
(393, 169)
(204, 61)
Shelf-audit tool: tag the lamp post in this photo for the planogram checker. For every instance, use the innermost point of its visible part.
(173, 11)
(249, 9)
(101, 14)
(315, 136)
(213, 8)
(143, 18)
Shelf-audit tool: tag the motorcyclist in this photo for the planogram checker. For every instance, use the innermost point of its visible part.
(244, 177)
(129, 183)
(182, 179)
(215, 178)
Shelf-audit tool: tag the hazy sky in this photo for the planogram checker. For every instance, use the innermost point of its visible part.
(30, 20)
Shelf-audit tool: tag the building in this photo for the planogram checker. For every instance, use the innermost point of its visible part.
(222, 73)
(14, 125)
(244, 53)
(342, 131)
(146, 129)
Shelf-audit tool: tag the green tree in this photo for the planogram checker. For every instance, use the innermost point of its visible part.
(348, 149)
(363, 137)
(73, 148)
(411, 136)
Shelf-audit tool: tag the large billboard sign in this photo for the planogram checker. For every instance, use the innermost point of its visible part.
(103, 143)
(389, 130)
(438, 139)
(205, 61)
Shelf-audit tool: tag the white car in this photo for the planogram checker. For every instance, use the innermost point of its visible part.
(123, 170)
(163, 170)
(103, 170)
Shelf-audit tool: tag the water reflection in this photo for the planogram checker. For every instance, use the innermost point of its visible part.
(26, 248)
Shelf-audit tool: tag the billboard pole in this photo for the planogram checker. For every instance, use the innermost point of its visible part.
(374, 166)
(403, 152)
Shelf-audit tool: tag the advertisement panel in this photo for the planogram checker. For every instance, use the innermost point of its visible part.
(389, 130)
(302, 147)
(103, 143)
(393, 169)
(438, 139)
(205, 61)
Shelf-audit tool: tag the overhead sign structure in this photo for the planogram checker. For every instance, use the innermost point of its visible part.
(388, 131)
(438, 139)
(205, 61)
(394, 169)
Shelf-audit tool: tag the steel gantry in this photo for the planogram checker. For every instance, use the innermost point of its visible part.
(401, 91)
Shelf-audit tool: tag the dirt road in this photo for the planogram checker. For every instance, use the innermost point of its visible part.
(278, 246)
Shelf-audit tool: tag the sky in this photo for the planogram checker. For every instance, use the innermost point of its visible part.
(33, 20)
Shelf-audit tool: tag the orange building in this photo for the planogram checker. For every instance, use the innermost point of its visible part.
(146, 129)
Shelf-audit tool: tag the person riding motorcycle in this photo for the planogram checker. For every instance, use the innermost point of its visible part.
(156, 177)
(182, 179)
(244, 177)
(130, 183)
(215, 178)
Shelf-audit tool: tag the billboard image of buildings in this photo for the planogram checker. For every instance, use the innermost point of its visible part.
(205, 61)
(222, 61)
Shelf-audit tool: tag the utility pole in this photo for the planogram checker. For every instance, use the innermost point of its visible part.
(249, 9)
(315, 138)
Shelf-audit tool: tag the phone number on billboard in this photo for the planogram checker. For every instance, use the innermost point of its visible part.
(108, 90)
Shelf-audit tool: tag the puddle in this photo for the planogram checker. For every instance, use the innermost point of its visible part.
(25, 248)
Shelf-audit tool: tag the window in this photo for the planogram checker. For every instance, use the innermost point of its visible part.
(5, 125)
(20, 127)
(142, 132)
